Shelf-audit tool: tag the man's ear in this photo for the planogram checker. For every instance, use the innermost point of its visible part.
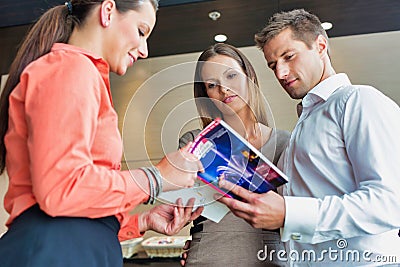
(322, 45)
(106, 9)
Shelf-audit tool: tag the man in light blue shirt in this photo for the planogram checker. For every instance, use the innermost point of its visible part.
(341, 205)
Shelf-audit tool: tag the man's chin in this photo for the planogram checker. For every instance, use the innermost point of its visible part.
(295, 94)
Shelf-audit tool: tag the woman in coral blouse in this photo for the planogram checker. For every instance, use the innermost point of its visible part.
(68, 199)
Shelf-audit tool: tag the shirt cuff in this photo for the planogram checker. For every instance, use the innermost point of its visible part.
(131, 230)
(300, 219)
(135, 192)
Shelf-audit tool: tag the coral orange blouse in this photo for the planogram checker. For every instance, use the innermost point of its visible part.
(63, 143)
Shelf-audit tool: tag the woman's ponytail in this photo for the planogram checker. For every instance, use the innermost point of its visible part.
(54, 26)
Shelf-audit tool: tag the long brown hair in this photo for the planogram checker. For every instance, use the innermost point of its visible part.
(54, 26)
(205, 107)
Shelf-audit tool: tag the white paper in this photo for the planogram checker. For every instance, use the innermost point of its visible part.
(204, 195)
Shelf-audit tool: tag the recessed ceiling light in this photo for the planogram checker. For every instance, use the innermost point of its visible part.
(214, 15)
(220, 38)
(326, 25)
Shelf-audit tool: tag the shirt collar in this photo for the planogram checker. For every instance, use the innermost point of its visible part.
(99, 62)
(325, 89)
(68, 47)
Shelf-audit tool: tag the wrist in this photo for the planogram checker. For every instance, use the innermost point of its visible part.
(167, 186)
(143, 222)
(283, 212)
(155, 182)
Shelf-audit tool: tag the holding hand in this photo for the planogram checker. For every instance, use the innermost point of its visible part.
(169, 219)
(185, 254)
(179, 169)
(265, 211)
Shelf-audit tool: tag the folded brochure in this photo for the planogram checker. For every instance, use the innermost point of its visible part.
(226, 155)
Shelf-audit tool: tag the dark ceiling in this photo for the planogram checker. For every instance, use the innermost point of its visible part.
(184, 26)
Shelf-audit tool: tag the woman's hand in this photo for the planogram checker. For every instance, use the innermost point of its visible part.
(185, 254)
(179, 169)
(169, 219)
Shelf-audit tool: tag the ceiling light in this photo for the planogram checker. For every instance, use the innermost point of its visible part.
(214, 15)
(220, 38)
(326, 25)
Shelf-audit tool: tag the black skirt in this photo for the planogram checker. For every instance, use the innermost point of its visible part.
(38, 240)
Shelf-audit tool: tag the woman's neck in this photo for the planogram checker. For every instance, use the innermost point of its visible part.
(246, 127)
(91, 30)
(255, 133)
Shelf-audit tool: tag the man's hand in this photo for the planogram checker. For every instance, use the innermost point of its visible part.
(265, 211)
(169, 219)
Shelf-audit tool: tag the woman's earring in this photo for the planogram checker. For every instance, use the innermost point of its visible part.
(106, 23)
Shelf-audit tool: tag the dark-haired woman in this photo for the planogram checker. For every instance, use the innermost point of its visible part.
(68, 199)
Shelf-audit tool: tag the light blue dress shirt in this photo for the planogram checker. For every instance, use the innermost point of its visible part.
(343, 164)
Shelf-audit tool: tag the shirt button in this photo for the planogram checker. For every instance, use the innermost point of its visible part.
(129, 233)
(296, 236)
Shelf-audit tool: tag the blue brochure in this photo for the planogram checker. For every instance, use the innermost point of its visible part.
(227, 155)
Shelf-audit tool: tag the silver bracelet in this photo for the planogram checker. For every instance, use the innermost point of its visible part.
(159, 179)
(152, 192)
